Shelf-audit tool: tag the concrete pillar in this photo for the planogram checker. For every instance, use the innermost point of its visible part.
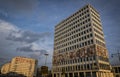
(62, 75)
(100, 73)
(59, 74)
(56, 75)
(68, 74)
(103, 74)
(107, 75)
(84, 74)
(78, 74)
(53, 75)
(91, 74)
(97, 74)
(73, 74)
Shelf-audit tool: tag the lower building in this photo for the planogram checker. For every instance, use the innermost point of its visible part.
(21, 65)
(116, 70)
(25, 66)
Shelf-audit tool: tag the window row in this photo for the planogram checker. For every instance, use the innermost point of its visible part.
(98, 27)
(98, 23)
(71, 26)
(103, 59)
(75, 46)
(98, 32)
(85, 59)
(100, 43)
(95, 12)
(76, 67)
(76, 40)
(116, 69)
(99, 37)
(82, 30)
(72, 35)
(73, 17)
(95, 17)
(67, 43)
(104, 66)
(80, 17)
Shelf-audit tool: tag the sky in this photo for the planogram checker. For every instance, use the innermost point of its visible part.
(27, 26)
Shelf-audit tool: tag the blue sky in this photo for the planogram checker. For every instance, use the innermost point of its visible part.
(27, 26)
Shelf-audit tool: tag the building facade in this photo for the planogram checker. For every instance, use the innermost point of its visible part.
(116, 70)
(79, 46)
(25, 66)
(21, 65)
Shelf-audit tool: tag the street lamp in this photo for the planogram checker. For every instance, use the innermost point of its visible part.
(116, 54)
(46, 58)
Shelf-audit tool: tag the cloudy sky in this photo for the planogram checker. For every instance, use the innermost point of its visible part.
(27, 26)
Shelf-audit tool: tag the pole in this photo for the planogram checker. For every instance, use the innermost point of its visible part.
(45, 62)
(46, 58)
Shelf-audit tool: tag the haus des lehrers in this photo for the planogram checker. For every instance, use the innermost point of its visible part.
(79, 46)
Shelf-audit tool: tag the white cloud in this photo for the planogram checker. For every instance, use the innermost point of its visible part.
(22, 40)
(6, 27)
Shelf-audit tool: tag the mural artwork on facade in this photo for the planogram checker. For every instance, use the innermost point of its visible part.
(79, 53)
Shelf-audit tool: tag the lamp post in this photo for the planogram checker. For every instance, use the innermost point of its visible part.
(45, 68)
(116, 54)
(46, 58)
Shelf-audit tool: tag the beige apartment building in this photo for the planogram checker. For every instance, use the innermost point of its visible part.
(79, 46)
(21, 65)
(25, 66)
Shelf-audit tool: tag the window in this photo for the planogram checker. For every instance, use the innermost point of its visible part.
(90, 29)
(78, 67)
(82, 44)
(86, 58)
(91, 41)
(87, 36)
(84, 32)
(88, 42)
(88, 67)
(82, 38)
(91, 35)
(119, 69)
(79, 39)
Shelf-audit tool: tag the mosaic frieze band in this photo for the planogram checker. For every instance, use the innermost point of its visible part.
(79, 53)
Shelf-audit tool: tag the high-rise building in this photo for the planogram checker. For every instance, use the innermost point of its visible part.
(79, 46)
